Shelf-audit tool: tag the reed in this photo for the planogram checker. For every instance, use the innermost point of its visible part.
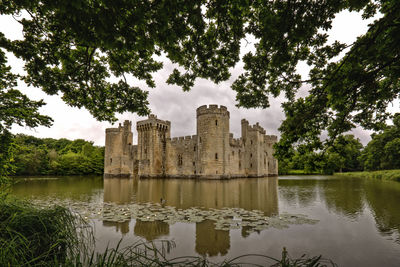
(31, 236)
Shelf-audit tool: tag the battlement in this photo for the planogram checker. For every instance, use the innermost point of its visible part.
(153, 122)
(113, 130)
(212, 109)
(236, 142)
(271, 138)
(256, 127)
(127, 127)
(183, 139)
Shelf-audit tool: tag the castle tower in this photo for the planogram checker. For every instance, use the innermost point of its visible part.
(245, 125)
(272, 163)
(118, 156)
(151, 151)
(212, 140)
(254, 159)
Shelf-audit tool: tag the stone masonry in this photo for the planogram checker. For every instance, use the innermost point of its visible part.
(212, 153)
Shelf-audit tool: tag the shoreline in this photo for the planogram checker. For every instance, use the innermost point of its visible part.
(388, 175)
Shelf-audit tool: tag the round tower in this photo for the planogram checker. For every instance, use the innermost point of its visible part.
(212, 140)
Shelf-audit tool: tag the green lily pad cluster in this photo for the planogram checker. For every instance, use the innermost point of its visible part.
(224, 219)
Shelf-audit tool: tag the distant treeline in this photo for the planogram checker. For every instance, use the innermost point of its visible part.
(348, 154)
(48, 156)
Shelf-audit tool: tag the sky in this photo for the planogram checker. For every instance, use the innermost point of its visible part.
(169, 102)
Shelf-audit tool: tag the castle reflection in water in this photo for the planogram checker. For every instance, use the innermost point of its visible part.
(249, 194)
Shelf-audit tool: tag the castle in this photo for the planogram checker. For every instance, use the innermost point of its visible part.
(212, 153)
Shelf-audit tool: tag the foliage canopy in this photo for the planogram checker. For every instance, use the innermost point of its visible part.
(383, 151)
(47, 156)
(343, 155)
(73, 47)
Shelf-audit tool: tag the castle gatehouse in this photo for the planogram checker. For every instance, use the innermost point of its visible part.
(212, 153)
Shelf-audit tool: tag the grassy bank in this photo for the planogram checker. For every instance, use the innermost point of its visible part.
(393, 175)
(300, 172)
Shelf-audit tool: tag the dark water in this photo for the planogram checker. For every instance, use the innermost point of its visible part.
(359, 219)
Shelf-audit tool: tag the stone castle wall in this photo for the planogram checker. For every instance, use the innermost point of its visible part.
(212, 153)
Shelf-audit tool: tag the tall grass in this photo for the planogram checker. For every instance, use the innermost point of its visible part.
(31, 236)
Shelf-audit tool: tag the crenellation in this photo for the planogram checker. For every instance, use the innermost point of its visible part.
(235, 143)
(113, 130)
(271, 138)
(212, 109)
(212, 153)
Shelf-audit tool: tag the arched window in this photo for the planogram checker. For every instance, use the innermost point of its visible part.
(216, 122)
(216, 155)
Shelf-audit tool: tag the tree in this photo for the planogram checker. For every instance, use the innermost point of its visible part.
(15, 108)
(383, 151)
(343, 155)
(6, 158)
(31, 160)
(73, 47)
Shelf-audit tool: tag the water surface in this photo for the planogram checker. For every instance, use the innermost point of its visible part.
(357, 221)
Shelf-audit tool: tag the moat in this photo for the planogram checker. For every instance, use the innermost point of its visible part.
(354, 222)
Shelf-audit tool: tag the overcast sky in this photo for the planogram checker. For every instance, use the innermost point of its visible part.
(170, 102)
